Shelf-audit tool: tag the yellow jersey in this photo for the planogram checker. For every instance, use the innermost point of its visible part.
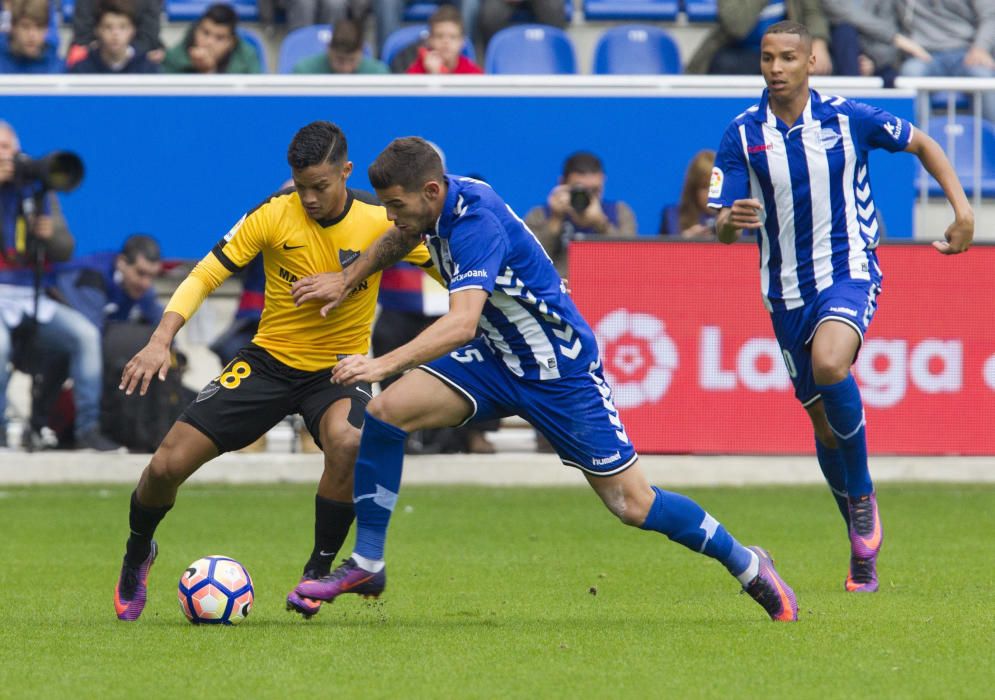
(293, 246)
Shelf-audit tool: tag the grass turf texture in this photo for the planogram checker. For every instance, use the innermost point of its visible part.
(503, 593)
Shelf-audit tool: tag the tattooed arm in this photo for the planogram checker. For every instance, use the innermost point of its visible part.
(334, 287)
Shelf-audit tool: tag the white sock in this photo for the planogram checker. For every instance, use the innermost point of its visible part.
(748, 574)
(376, 565)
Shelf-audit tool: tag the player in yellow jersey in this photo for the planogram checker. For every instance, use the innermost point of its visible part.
(317, 226)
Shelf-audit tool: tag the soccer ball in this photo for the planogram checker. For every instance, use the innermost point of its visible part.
(215, 590)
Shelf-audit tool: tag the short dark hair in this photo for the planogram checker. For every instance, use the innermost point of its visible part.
(316, 143)
(115, 7)
(221, 13)
(789, 27)
(446, 13)
(582, 163)
(141, 245)
(409, 162)
(347, 37)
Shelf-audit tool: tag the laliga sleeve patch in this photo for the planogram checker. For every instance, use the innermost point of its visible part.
(234, 229)
(715, 184)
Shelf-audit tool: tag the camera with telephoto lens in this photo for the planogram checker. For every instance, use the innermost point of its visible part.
(61, 171)
(580, 199)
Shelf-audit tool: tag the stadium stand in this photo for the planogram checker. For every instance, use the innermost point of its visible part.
(654, 10)
(256, 41)
(531, 49)
(636, 49)
(301, 43)
(961, 153)
(190, 10)
(701, 10)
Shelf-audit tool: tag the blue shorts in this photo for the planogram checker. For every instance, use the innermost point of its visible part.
(575, 413)
(853, 302)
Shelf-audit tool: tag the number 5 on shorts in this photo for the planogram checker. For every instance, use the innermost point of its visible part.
(234, 374)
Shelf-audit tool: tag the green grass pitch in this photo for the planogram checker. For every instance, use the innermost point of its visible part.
(499, 593)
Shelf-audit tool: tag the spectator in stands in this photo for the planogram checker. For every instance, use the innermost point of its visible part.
(108, 289)
(733, 47)
(31, 324)
(26, 49)
(212, 45)
(959, 36)
(866, 40)
(442, 52)
(146, 16)
(390, 13)
(112, 50)
(690, 218)
(495, 15)
(304, 13)
(344, 55)
(576, 207)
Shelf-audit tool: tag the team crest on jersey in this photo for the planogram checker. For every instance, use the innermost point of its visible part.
(347, 257)
(234, 229)
(715, 184)
(829, 138)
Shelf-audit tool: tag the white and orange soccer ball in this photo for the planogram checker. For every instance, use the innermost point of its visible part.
(216, 590)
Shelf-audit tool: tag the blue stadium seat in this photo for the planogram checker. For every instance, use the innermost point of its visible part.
(256, 42)
(406, 36)
(962, 155)
(301, 43)
(421, 10)
(701, 10)
(530, 49)
(636, 49)
(190, 10)
(656, 10)
(940, 101)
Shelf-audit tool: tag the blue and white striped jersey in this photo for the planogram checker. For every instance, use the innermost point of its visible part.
(529, 320)
(819, 220)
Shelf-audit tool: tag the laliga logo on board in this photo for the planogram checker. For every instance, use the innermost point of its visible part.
(641, 357)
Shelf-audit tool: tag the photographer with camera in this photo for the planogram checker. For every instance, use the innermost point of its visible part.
(32, 234)
(575, 207)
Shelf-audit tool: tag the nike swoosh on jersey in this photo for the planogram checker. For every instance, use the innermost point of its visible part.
(292, 247)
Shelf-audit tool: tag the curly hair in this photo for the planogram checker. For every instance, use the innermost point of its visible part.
(318, 142)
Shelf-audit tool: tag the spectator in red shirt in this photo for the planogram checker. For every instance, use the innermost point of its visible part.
(442, 51)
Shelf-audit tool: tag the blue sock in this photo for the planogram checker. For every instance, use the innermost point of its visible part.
(685, 522)
(845, 412)
(831, 463)
(377, 481)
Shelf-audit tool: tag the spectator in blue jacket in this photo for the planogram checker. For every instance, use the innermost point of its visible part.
(27, 49)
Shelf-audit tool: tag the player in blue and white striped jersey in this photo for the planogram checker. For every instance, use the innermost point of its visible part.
(536, 357)
(795, 168)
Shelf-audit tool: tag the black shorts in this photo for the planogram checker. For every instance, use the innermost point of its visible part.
(256, 391)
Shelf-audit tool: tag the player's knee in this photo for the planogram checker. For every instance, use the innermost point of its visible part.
(166, 469)
(384, 408)
(829, 370)
(341, 439)
(630, 508)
